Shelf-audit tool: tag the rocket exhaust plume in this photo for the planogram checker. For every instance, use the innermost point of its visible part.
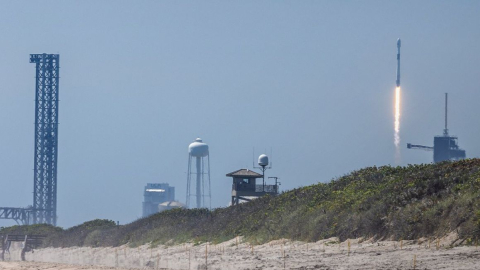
(397, 109)
(397, 125)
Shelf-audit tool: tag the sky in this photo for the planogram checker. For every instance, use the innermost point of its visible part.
(313, 81)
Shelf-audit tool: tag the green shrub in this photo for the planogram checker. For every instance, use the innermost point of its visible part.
(427, 200)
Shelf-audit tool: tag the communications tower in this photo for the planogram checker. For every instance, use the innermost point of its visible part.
(198, 150)
(46, 138)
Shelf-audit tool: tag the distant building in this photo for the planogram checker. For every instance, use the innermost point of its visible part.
(170, 205)
(155, 194)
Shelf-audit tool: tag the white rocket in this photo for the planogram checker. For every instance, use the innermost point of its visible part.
(399, 43)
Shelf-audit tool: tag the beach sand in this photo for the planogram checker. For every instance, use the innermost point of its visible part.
(279, 254)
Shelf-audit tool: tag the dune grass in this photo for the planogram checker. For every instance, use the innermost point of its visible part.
(409, 202)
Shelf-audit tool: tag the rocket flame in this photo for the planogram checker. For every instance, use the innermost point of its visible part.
(397, 125)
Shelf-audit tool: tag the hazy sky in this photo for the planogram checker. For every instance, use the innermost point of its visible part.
(313, 80)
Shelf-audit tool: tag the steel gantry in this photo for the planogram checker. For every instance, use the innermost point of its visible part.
(20, 215)
(46, 138)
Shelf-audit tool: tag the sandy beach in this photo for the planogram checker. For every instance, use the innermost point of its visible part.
(47, 266)
(279, 254)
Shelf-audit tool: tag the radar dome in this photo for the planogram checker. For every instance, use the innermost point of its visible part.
(198, 148)
(263, 160)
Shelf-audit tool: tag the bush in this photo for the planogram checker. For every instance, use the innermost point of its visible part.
(384, 202)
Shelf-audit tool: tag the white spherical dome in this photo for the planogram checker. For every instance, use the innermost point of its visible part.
(263, 160)
(198, 148)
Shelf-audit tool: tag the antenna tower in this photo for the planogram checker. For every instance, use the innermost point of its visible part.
(263, 162)
(445, 131)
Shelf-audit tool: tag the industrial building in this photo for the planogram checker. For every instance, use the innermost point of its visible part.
(154, 194)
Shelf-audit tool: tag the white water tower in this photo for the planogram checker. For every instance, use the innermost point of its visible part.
(198, 150)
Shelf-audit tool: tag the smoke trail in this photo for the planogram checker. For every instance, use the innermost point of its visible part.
(397, 126)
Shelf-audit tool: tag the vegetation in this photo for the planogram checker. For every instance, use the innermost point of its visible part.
(41, 229)
(382, 202)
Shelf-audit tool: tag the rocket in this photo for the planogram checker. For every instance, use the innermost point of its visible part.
(399, 43)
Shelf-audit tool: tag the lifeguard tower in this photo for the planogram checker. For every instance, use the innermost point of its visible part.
(245, 185)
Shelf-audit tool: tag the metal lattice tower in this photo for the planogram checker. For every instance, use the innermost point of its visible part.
(46, 138)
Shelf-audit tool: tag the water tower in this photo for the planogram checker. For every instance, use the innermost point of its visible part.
(198, 150)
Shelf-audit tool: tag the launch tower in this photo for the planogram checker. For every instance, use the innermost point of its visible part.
(445, 147)
(46, 138)
(44, 209)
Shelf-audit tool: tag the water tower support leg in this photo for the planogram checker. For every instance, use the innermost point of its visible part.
(199, 184)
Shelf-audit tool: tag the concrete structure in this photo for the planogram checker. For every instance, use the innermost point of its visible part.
(244, 186)
(155, 194)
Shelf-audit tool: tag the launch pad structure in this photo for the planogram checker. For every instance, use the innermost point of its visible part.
(44, 209)
(445, 147)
